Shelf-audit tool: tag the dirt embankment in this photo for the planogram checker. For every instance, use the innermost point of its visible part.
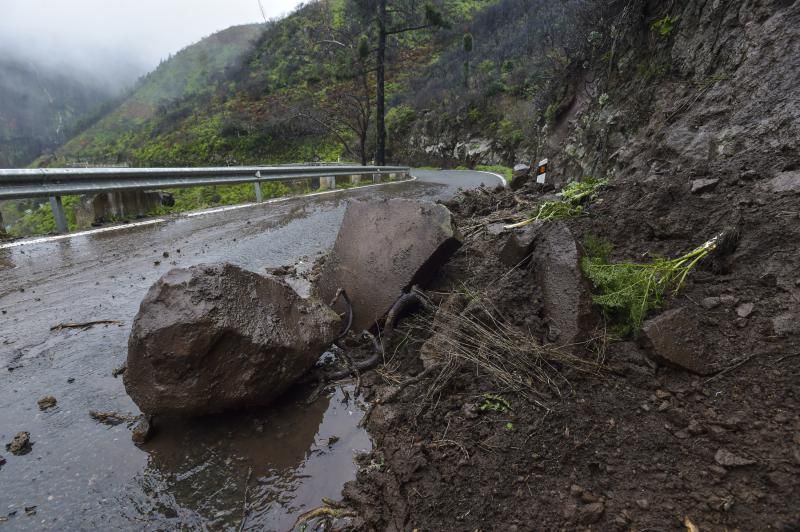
(599, 436)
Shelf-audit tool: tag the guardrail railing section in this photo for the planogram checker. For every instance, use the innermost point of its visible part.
(54, 183)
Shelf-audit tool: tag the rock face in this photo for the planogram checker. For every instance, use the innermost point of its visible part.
(567, 302)
(672, 338)
(212, 338)
(383, 248)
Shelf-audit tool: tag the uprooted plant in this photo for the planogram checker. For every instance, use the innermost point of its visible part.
(627, 291)
(475, 335)
(574, 196)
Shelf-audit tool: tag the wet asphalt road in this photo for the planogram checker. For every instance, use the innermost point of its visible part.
(81, 474)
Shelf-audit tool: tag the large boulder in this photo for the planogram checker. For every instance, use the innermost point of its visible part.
(566, 295)
(673, 339)
(383, 248)
(212, 338)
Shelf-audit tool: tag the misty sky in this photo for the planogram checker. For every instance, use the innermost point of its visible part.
(118, 40)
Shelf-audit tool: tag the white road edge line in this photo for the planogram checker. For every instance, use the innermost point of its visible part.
(498, 176)
(55, 238)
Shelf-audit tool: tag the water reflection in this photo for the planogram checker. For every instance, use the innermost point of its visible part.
(293, 454)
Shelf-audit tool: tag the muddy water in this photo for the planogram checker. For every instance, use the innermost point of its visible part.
(84, 475)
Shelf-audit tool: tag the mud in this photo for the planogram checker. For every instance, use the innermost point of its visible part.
(82, 474)
(634, 445)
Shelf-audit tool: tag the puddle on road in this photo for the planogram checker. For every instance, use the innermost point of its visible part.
(192, 474)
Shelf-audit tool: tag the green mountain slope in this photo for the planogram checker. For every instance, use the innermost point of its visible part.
(191, 75)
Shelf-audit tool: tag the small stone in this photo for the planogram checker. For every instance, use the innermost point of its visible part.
(728, 300)
(165, 254)
(704, 185)
(711, 303)
(142, 431)
(46, 402)
(718, 470)
(695, 428)
(682, 435)
(21, 444)
(726, 458)
(744, 310)
(575, 490)
(663, 407)
(663, 394)
(591, 513)
(643, 504)
(70, 380)
(2, 461)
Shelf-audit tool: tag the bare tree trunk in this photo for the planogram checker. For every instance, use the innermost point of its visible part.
(380, 149)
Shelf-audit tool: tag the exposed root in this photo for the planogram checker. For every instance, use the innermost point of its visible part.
(341, 293)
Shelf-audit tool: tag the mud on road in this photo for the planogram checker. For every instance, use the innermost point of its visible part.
(83, 474)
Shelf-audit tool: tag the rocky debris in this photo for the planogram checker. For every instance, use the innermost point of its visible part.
(784, 182)
(519, 245)
(786, 324)
(726, 458)
(116, 372)
(591, 513)
(704, 185)
(672, 339)
(142, 430)
(384, 248)
(566, 297)
(521, 176)
(744, 310)
(21, 444)
(212, 338)
(46, 402)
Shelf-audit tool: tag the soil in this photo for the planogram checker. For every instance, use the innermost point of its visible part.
(631, 445)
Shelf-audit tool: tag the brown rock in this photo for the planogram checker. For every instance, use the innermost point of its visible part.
(704, 185)
(672, 338)
(521, 176)
(46, 402)
(727, 459)
(567, 303)
(384, 248)
(21, 444)
(744, 310)
(519, 245)
(591, 513)
(212, 338)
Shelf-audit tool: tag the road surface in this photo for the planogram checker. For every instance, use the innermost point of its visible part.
(81, 474)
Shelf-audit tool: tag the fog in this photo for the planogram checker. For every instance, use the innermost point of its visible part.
(113, 42)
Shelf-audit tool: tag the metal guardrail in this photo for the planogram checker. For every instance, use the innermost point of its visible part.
(57, 182)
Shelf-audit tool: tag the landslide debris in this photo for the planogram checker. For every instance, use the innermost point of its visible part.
(216, 337)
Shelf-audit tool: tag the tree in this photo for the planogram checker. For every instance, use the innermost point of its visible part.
(468, 51)
(404, 17)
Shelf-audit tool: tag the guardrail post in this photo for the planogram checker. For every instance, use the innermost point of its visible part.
(259, 197)
(58, 214)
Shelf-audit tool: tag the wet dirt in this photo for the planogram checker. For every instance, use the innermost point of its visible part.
(82, 474)
(632, 446)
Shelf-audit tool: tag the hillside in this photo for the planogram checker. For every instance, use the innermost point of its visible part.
(40, 109)
(184, 81)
